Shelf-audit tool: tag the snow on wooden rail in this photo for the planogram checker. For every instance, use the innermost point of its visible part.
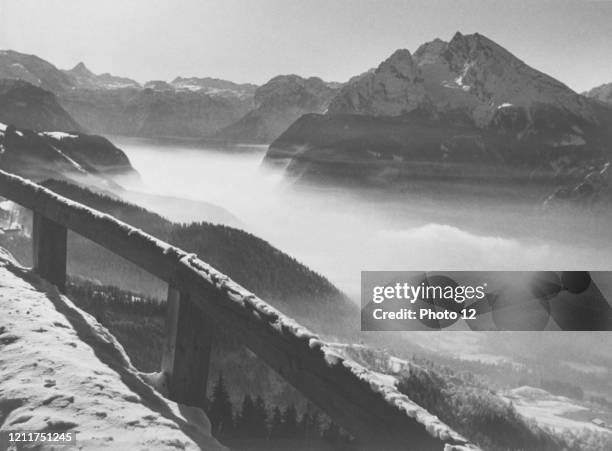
(367, 405)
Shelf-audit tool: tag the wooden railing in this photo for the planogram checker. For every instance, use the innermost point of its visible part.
(373, 411)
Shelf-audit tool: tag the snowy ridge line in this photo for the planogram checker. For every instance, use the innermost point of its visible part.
(366, 403)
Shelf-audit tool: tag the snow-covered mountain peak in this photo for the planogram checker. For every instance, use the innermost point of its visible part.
(471, 75)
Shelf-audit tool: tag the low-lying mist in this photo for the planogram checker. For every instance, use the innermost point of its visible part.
(340, 232)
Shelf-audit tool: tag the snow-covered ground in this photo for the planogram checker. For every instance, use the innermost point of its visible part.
(551, 410)
(61, 371)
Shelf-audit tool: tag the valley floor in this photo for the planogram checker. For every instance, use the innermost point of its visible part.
(61, 371)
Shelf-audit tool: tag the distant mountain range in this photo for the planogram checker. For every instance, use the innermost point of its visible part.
(185, 107)
(468, 100)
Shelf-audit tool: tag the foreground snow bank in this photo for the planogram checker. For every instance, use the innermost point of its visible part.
(61, 371)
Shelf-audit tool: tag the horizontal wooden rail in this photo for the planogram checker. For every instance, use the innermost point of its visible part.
(372, 410)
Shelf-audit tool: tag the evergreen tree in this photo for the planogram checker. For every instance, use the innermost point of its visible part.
(303, 425)
(260, 420)
(331, 432)
(220, 414)
(314, 427)
(245, 421)
(276, 425)
(290, 426)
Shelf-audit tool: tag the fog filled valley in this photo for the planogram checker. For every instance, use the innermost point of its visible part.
(340, 231)
(453, 155)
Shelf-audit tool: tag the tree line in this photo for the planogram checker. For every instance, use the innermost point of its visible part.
(254, 421)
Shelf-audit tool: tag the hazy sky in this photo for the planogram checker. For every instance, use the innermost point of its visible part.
(254, 40)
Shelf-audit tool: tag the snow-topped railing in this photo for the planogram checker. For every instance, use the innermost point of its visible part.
(367, 405)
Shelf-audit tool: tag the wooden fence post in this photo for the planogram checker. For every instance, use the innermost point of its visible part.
(186, 356)
(49, 241)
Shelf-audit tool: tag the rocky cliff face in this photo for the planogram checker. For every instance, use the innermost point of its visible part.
(28, 106)
(278, 103)
(394, 88)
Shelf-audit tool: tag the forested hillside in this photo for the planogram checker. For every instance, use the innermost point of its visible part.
(250, 261)
(249, 406)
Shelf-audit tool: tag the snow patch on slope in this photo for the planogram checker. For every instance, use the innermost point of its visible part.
(58, 135)
(568, 140)
(76, 165)
(550, 410)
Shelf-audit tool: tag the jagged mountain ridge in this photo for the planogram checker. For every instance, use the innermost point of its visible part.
(108, 104)
(470, 79)
(470, 76)
(185, 107)
(83, 78)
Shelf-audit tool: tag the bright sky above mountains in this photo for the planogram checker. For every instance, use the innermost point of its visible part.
(252, 41)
